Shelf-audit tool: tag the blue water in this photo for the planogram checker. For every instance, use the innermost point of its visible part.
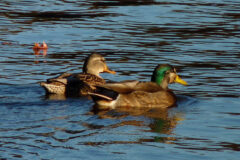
(200, 38)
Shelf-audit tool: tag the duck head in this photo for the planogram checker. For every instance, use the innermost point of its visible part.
(165, 74)
(95, 64)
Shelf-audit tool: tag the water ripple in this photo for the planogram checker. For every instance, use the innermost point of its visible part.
(200, 38)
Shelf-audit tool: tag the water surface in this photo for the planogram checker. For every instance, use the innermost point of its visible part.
(200, 38)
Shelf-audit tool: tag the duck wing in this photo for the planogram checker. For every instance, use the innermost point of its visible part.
(61, 79)
(131, 86)
(89, 79)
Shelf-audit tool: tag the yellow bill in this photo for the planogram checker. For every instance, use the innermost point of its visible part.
(181, 81)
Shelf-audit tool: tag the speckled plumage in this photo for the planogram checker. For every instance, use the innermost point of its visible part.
(72, 84)
(79, 84)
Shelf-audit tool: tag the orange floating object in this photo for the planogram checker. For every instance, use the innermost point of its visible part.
(44, 45)
(37, 46)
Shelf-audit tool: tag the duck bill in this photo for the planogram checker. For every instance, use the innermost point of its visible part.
(180, 81)
(107, 70)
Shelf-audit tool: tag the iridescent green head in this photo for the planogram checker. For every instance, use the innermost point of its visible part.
(164, 74)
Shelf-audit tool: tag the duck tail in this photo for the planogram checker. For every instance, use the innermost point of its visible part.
(45, 86)
(53, 88)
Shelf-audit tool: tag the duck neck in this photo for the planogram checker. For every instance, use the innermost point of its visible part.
(162, 81)
(94, 72)
(160, 78)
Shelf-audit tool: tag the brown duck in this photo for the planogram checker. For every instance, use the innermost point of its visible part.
(140, 94)
(79, 84)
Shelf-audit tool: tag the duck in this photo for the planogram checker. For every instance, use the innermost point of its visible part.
(139, 94)
(79, 84)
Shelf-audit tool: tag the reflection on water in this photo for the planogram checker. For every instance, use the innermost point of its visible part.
(200, 38)
(162, 122)
(39, 53)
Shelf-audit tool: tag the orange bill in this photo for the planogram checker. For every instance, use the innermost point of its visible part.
(106, 69)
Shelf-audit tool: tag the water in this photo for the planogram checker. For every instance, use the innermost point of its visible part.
(200, 38)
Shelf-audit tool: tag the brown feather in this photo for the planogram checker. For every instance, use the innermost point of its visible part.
(134, 94)
(72, 84)
(140, 94)
(80, 83)
(162, 99)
